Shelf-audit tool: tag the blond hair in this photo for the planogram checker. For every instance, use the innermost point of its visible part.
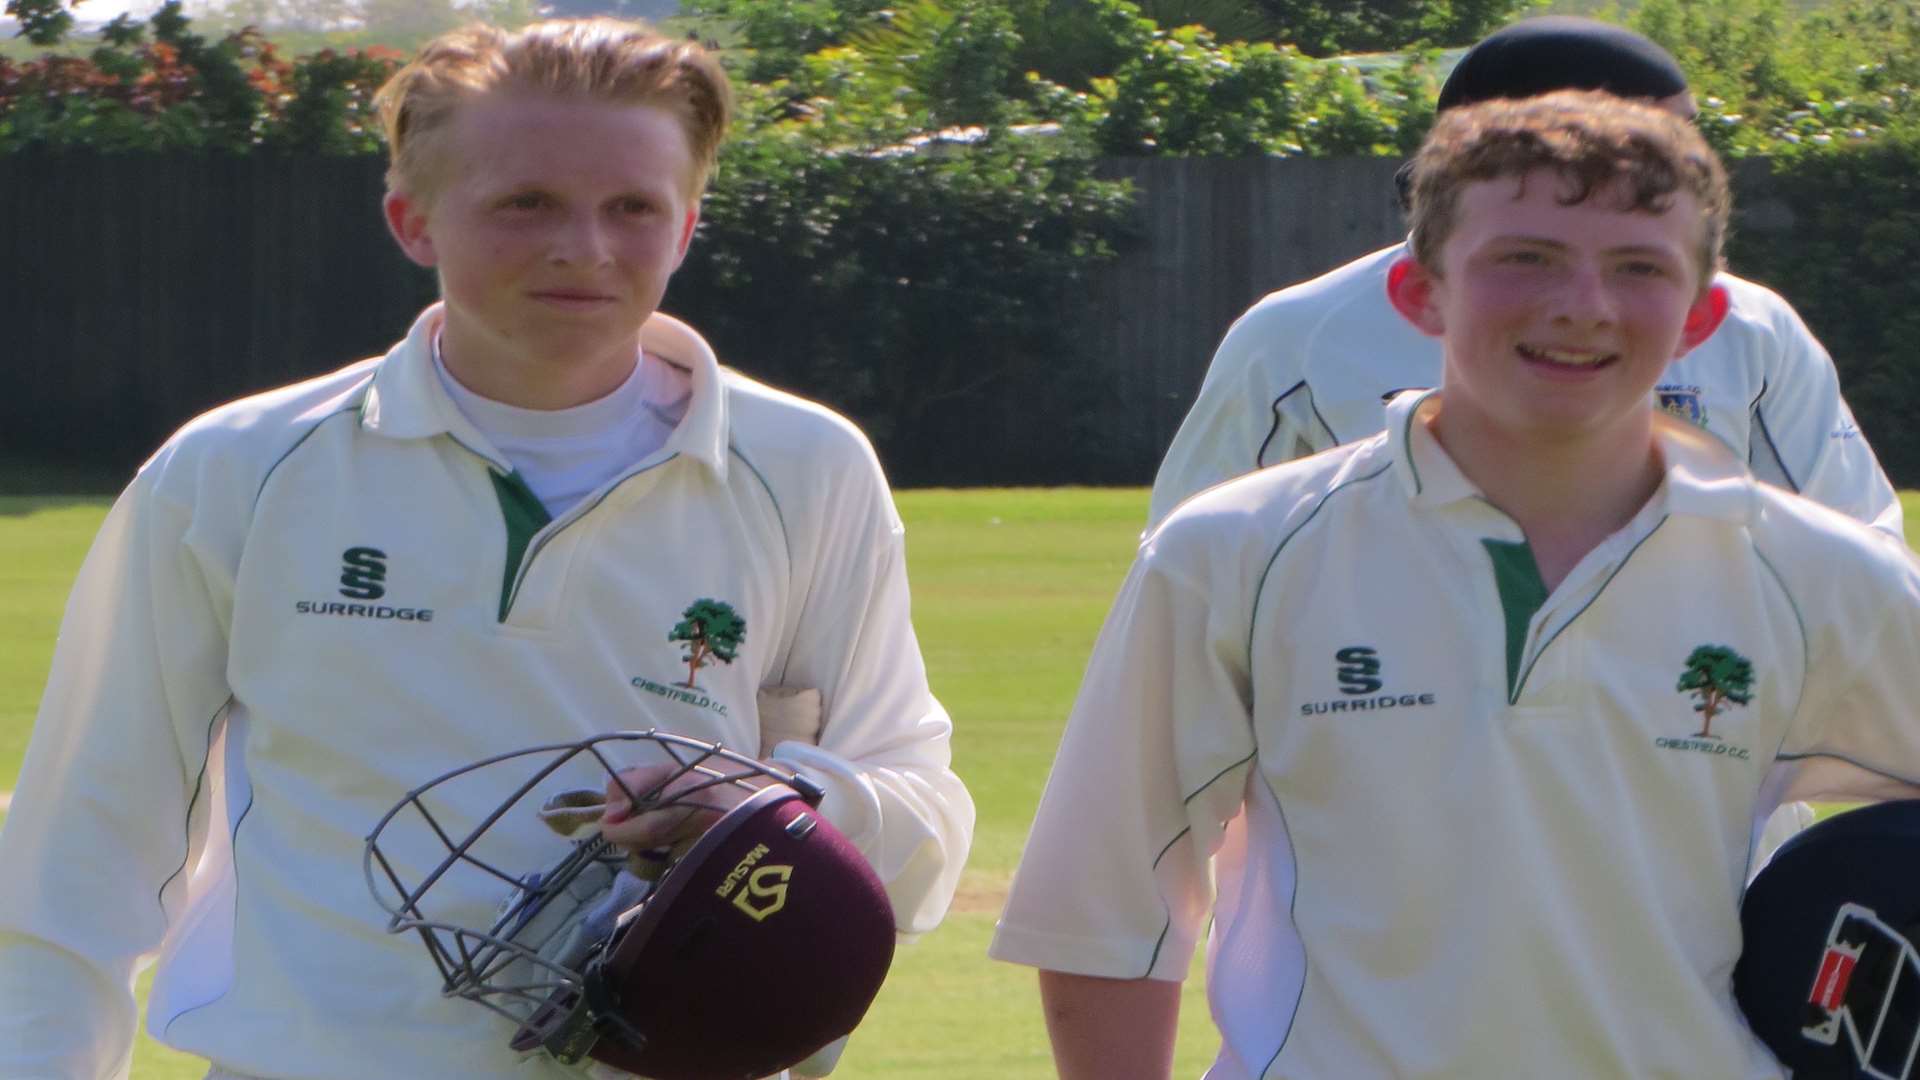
(601, 60)
(1592, 139)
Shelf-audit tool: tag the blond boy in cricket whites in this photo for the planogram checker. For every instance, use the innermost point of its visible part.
(311, 600)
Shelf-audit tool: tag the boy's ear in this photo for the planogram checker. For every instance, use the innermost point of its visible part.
(407, 221)
(1709, 310)
(686, 233)
(1410, 287)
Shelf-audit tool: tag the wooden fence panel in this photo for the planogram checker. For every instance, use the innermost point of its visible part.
(1216, 235)
(148, 289)
(139, 291)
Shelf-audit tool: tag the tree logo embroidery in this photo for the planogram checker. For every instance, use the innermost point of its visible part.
(1716, 676)
(711, 630)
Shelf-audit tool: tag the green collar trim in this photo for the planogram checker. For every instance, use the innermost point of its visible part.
(524, 516)
(1522, 591)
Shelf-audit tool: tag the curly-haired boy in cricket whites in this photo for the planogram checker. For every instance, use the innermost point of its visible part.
(1450, 683)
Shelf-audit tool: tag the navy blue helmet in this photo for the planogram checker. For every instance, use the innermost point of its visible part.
(1828, 975)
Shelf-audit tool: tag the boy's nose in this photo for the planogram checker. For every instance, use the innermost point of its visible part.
(581, 242)
(1584, 299)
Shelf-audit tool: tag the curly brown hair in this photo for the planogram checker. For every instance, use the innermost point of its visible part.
(1633, 152)
(602, 60)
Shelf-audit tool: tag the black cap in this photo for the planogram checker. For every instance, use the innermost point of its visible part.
(1554, 52)
(1561, 52)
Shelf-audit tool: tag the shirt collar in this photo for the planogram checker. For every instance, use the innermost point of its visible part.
(703, 433)
(1703, 478)
(407, 400)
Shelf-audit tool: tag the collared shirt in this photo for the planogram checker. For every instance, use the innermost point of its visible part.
(1478, 828)
(344, 586)
(564, 455)
(1312, 366)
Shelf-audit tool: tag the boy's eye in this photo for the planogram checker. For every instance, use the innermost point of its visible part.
(633, 204)
(1643, 268)
(1523, 258)
(526, 200)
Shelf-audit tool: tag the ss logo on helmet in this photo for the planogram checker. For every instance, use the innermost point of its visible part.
(765, 892)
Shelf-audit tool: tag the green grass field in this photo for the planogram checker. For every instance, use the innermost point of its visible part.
(1009, 590)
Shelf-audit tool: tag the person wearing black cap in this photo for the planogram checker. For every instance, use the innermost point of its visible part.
(1563, 52)
(1309, 367)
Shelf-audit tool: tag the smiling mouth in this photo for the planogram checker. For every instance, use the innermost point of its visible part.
(1566, 359)
(572, 301)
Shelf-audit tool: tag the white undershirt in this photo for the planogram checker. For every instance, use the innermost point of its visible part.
(565, 454)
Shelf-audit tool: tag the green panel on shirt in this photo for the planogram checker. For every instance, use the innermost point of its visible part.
(520, 508)
(1521, 594)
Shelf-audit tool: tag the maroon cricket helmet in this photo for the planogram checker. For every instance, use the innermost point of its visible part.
(758, 945)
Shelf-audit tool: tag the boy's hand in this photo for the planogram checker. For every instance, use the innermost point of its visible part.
(692, 802)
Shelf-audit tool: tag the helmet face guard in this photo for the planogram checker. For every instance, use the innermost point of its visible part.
(734, 956)
(1829, 977)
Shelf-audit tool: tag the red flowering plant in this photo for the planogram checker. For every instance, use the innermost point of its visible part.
(158, 86)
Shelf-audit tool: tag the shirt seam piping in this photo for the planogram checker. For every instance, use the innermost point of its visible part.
(1260, 455)
(1521, 685)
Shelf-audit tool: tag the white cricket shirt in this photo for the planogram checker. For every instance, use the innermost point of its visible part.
(350, 584)
(1311, 366)
(1483, 835)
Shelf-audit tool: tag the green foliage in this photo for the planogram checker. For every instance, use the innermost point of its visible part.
(329, 103)
(1073, 42)
(42, 22)
(1829, 98)
(1187, 93)
(910, 229)
(1778, 84)
(1332, 27)
(1230, 20)
(1148, 76)
(930, 164)
(1847, 264)
(951, 60)
(915, 280)
(180, 90)
(775, 35)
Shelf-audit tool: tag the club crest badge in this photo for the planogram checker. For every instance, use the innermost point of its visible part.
(1683, 403)
(1717, 679)
(709, 632)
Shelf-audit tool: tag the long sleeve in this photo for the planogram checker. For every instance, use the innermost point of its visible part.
(884, 753)
(1306, 368)
(1804, 437)
(1855, 732)
(1242, 419)
(111, 806)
